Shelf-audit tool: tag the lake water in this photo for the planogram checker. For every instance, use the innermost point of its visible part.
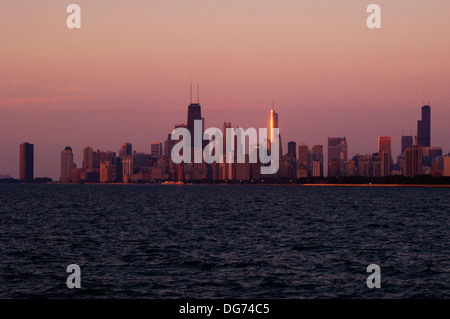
(219, 241)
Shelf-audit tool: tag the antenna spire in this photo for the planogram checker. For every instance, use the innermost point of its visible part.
(198, 93)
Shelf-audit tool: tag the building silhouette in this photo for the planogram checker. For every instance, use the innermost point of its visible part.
(446, 171)
(384, 144)
(194, 113)
(156, 149)
(125, 150)
(337, 151)
(88, 158)
(407, 141)
(424, 127)
(413, 161)
(316, 154)
(302, 161)
(386, 163)
(26, 162)
(66, 164)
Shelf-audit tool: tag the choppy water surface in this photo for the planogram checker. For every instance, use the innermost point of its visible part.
(192, 241)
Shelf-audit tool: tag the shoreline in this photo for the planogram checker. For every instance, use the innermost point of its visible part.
(265, 184)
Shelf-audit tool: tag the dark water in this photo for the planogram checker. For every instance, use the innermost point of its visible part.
(223, 241)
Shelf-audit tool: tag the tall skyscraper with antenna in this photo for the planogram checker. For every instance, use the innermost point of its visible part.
(194, 113)
(424, 127)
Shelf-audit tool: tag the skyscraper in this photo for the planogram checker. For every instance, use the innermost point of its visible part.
(292, 149)
(66, 164)
(125, 150)
(424, 127)
(156, 149)
(303, 156)
(407, 141)
(317, 155)
(88, 157)
(385, 163)
(274, 124)
(337, 151)
(127, 168)
(26, 162)
(446, 166)
(413, 161)
(384, 144)
(194, 113)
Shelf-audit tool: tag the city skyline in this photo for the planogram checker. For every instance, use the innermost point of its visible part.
(129, 165)
(127, 79)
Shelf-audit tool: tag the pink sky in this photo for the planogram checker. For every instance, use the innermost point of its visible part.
(124, 76)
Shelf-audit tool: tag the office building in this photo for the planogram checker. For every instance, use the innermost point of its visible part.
(156, 149)
(88, 158)
(302, 161)
(385, 163)
(446, 171)
(125, 150)
(66, 165)
(413, 161)
(407, 141)
(384, 144)
(424, 127)
(317, 169)
(349, 168)
(26, 162)
(337, 151)
(317, 155)
(292, 149)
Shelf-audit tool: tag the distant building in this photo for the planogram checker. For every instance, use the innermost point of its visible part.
(377, 169)
(385, 163)
(317, 169)
(66, 165)
(407, 141)
(156, 149)
(127, 168)
(384, 144)
(26, 162)
(424, 127)
(317, 155)
(292, 149)
(337, 151)
(125, 150)
(107, 172)
(413, 161)
(446, 166)
(349, 168)
(88, 157)
(333, 168)
(365, 166)
(302, 161)
(194, 113)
